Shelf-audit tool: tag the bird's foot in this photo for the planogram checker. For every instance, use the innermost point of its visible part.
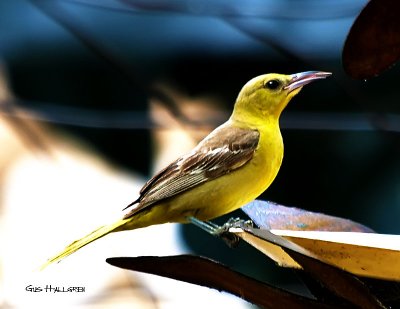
(223, 231)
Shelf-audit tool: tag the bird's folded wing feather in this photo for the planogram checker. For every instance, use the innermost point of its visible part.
(223, 151)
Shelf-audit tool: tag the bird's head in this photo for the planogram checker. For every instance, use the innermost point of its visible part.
(267, 95)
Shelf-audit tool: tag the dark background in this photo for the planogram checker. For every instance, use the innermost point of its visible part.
(86, 64)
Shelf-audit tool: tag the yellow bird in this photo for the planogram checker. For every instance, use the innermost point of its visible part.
(232, 166)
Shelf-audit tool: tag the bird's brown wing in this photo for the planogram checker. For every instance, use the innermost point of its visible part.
(223, 151)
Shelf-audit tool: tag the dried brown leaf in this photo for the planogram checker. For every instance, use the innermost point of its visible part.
(205, 272)
(373, 44)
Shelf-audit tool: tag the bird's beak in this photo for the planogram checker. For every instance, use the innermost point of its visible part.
(300, 79)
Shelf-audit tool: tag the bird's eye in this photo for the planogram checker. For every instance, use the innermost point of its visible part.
(272, 84)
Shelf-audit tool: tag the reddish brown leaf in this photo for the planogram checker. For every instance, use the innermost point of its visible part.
(373, 44)
(205, 272)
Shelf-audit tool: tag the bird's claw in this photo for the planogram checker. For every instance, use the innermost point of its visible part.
(229, 238)
(231, 223)
(223, 231)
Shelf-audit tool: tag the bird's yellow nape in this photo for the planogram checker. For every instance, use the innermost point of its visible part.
(267, 95)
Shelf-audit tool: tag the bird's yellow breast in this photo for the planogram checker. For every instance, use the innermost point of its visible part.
(231, 191)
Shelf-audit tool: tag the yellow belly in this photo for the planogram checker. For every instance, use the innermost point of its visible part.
(231, 191)
(221, 195)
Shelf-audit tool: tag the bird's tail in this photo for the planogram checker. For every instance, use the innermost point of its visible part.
(76, 245)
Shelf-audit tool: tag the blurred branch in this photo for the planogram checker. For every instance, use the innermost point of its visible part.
(81, 117)
(341, 121)
(309, 9)
(29, 133)
(266, 39)
(56, 12)
(53, 10)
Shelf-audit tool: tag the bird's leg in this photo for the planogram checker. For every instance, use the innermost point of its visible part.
(222, 231)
